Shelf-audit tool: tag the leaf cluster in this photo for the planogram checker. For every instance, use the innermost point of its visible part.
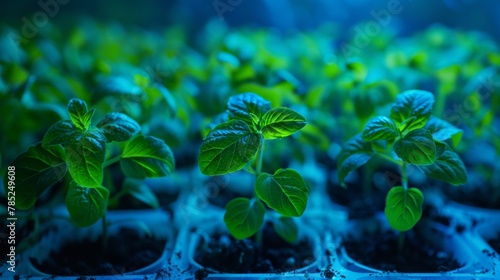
(78, 149)
(238, 143)
(409, 136)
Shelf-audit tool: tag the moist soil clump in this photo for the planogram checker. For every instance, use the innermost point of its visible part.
(223, 253)
(380, 250)
(126, 251)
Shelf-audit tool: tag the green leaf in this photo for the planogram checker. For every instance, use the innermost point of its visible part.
(354, 154)
(281, 122)
(448, 167)
(118, 127)
(87, 118)
(413, 103)
(85, 153)
(147, 157)
(59, 133)
(403, 208)
(286, 228)
(77, 110)
(440, 148)
(417, 147)
(404, 126)
(380, 128)
(141, 192)
(244, 217)
(86, 205)
(241, 106)
(442, 130)
(285, 191)
(36, 170)
(228, 148)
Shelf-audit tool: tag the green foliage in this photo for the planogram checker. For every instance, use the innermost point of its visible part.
(118, 127)
(416, 138)
(37, 169)
(286, 228)
(228, 148)
(442, 130)
(380, 128)
(79, 114)
(141, 192)
(281, 122)
(243, 106)
(448, 167)
(244, 217)
(86, 205)
(79, 147)
(238, 143)
(416, 147)
(413, 103)
(403, 207)
(147, 157)
(354, 154)
(85, 155)
(285, 192)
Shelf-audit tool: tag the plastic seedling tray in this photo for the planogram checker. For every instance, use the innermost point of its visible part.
(189, 238)
(324, 228)
(156, 222)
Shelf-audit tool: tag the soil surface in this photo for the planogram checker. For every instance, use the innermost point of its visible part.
(380, 250)
(495, 243)
(127, 251)
(483, 196)
(225, 254)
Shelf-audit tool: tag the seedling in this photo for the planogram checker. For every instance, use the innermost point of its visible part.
(78, 149)
(409, 137)
(239, 143)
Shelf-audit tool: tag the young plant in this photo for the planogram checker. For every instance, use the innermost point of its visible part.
(239, 143)
(416, 138)
(80, 150)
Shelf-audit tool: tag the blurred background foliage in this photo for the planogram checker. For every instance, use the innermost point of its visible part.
(172, 65)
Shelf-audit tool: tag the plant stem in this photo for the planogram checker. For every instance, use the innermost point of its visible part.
(404, 176)
(404, 182)
(389, 158)
(401, 241)
(258, 236)
(260, 157)
(104, 237)
(111, 161)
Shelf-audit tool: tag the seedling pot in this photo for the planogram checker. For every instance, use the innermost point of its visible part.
(485, 240)
(190, 238)
(155, 222)
(443, 238)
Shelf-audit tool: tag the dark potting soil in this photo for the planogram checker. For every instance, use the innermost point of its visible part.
(223, 253)
(495, 243)
(380, 251)
(126, 251)
(483, 196)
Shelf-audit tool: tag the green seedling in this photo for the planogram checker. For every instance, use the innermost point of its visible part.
(79, 150)
(239, 143)
(409, 137)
